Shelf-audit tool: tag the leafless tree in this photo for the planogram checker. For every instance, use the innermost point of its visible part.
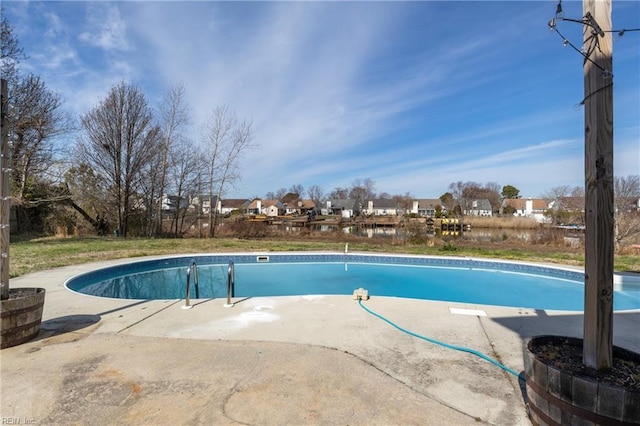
(362, 191)
(339, 193)
(456, 191)
(464, 193)
(577, 192)
(36, 118)
(278, 195)
(87, 193)
(174, 115)
(10, 51)
(491, 191)
(626, 208)
(297, 189)
(557, 193)
(627, 192)
(405, 201)
(184, 173)
(34, 121)
(316, 193)
(119, 140)
(150, 195)
(225, 140)
(567, 204)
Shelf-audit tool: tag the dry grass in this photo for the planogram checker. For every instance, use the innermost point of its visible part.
(30, 255)
(510, 222)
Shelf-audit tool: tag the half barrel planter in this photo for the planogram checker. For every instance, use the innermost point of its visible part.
(558, 397)
(21, 316)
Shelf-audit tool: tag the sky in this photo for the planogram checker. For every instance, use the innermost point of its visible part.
(412, 95)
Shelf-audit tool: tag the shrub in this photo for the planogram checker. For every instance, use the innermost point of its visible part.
(449, 247)
(250, 230)
(416, 233)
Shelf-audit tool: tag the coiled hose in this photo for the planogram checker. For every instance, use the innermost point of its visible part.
(437, 342)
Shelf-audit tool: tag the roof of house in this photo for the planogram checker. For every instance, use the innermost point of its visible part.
(306, 204)
(481, 204)
(265, 204)
(384, 203)
(521, 203)
(272, 203)
(291, 197)
(301, 204)
(343, 204)
(429, 203)
(234, 203)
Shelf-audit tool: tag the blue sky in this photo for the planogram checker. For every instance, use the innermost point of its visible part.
(413, 95)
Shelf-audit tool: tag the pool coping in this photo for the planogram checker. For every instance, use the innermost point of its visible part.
(621, 281)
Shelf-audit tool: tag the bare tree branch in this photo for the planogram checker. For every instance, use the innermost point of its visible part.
(174, 114)
(120, 139)
(225, 140)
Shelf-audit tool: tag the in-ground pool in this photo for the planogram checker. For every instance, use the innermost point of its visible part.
(434, 278)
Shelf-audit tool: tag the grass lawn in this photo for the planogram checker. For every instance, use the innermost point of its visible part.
(30, 255)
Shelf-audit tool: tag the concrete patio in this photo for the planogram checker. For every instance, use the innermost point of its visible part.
(267, 361)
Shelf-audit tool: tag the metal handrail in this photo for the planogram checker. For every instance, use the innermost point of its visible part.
(194, 266)
(230, 284)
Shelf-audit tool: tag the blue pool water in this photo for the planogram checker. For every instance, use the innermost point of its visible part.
(432, 278)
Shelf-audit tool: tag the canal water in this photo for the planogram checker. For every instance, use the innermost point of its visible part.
(400, 234)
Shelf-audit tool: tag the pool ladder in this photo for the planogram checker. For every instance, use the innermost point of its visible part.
(194, 267)
(230, 284)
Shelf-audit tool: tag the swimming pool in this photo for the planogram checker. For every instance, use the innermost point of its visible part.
(462, 280)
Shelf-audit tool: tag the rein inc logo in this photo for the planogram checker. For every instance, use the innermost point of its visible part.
(17, 421)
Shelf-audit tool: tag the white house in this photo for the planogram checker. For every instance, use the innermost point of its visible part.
(382, 207)
(172, 203)
(426, 207)
(480, 207)
(344, 208)
(227, 206)
(529, 207)
(271, 208)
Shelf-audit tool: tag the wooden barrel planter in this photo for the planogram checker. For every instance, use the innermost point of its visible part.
(558, 396)
(21, 316)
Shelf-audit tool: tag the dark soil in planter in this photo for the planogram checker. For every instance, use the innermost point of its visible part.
(566, 356)
(17, 293)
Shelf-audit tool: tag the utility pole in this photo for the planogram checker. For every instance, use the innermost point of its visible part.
(5, 194)
(599, 218)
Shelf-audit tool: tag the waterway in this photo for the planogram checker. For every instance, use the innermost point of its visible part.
(400, 234)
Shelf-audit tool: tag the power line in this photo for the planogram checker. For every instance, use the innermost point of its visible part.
(566, 42)
(590, 44)
(592, 41)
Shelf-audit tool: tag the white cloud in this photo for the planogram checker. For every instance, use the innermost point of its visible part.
(345, 90)
(105, 28)
(54, 25)
(57, 56)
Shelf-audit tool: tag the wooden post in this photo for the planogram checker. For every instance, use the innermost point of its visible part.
(598, 92)
(5, 195)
